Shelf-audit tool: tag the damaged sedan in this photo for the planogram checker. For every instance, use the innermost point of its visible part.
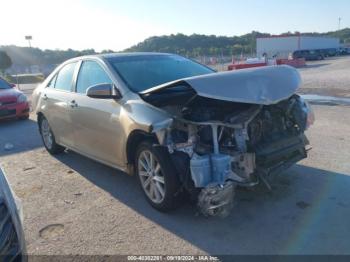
(180, 127)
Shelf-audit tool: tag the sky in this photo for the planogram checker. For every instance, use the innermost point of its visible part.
(119, 24)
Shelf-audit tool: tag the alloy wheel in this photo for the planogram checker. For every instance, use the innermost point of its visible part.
(151, 176)
(46, 133)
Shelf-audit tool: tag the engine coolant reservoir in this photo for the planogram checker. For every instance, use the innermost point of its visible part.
(209, 169)
(221, 167)
(201, 170)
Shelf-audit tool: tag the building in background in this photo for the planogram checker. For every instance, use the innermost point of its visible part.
(283, 46)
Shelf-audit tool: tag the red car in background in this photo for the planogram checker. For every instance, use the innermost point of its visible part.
(13, 103)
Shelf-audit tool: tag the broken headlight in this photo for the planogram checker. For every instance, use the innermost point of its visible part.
(21, 99)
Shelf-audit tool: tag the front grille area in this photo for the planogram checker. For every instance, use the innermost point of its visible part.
(9, 245)
(6, 103)
(6, 112)
(270, 156)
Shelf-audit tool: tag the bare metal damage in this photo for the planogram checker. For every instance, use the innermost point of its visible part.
(220, 143)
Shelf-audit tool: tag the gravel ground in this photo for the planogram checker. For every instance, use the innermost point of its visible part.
(73, 205)
(328, 77)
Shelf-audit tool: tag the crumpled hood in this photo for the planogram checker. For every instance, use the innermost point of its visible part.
(265, 85)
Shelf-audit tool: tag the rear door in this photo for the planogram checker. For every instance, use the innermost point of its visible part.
(56, 97)
(96, 121)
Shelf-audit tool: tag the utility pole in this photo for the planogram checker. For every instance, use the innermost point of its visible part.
(339, 19)
(29, 38)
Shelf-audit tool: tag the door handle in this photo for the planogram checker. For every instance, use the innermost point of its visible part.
(73, 104)
(45, 97)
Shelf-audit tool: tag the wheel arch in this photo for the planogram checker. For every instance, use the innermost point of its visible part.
(134, 139)
(40, 116)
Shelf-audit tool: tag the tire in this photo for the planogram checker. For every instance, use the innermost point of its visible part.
(162, 170)
(48, 137)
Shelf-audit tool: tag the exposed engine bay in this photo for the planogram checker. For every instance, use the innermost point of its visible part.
(217, 145)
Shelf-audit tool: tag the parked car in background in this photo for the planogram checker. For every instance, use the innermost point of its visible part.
(328, 52)
(13, 103)
(12, 243)
(343, 51)
(176, 124)
(309, 55)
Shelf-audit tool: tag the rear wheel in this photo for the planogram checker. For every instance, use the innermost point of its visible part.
(157, 177)
(49, 138)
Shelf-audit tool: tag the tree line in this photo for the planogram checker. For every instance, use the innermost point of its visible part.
(202, 45)
(187, 45)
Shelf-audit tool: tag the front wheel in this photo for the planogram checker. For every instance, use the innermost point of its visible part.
(49, 138)
(157, 177)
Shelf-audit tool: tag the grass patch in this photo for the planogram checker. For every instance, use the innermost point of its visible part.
(25, 79)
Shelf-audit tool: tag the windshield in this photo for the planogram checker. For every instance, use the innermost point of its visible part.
(141, 72)
(4, 84)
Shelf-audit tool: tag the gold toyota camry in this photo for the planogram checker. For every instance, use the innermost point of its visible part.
(180, 127)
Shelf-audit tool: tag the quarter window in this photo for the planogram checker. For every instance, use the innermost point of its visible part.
(52, 82)
(65, 77)
(90, 74)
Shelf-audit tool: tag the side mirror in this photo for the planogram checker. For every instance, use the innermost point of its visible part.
(103, 91)
(12, 85)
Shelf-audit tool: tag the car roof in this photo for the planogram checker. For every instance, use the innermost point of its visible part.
(111, 55)
(130, 54)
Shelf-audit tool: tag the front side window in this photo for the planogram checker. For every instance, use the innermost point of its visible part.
(91, 74)
(65, 77)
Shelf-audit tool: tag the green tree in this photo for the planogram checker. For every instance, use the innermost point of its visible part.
(5, 61)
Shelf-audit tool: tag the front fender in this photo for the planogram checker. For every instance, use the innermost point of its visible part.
(137, 115)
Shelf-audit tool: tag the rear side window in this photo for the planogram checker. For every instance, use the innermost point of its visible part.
(90, 74)
(64, 78)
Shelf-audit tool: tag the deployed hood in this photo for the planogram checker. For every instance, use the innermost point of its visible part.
(265, 85)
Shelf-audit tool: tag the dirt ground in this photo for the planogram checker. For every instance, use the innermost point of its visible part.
(328, 77)
(73, 205)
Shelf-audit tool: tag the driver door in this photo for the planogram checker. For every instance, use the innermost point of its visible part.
(95, 121)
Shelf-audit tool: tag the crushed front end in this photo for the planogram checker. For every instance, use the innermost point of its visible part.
(217, 144)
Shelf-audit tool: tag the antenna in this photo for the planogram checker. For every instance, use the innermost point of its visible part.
(339, 19)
